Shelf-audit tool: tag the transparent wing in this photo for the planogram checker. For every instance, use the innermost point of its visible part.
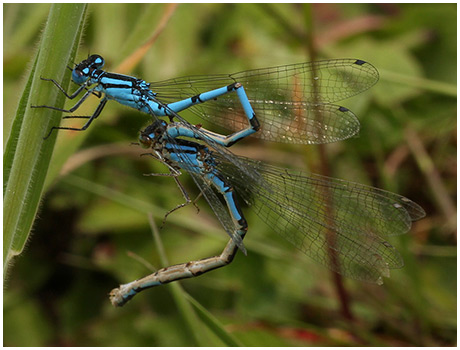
(292, 102)
(339, 224)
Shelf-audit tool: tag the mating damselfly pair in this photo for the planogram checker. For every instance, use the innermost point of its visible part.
(340, 224)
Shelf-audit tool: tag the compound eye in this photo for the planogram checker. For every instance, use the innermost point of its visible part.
(78, 76)
(145, 141)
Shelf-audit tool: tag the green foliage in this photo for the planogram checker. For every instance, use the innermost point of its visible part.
(92, 231)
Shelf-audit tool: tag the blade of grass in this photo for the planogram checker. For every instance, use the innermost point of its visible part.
(425, 84)
(26, 166)
(213, 323)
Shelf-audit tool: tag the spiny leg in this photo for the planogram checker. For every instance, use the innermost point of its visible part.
(96, 113)
(75, 107)
(70, 97)
(75, 94)
(174, 173)
(187, 201)
(184, 194)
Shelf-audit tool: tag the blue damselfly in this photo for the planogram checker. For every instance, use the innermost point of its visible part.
(292, 102)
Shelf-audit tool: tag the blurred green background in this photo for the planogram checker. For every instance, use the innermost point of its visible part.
(92, 231)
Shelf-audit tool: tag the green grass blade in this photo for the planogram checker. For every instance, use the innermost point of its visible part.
(27, 155)
(425, 84)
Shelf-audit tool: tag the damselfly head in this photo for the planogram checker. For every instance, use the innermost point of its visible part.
(152, 133)
(145, 141)
(83, 70)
